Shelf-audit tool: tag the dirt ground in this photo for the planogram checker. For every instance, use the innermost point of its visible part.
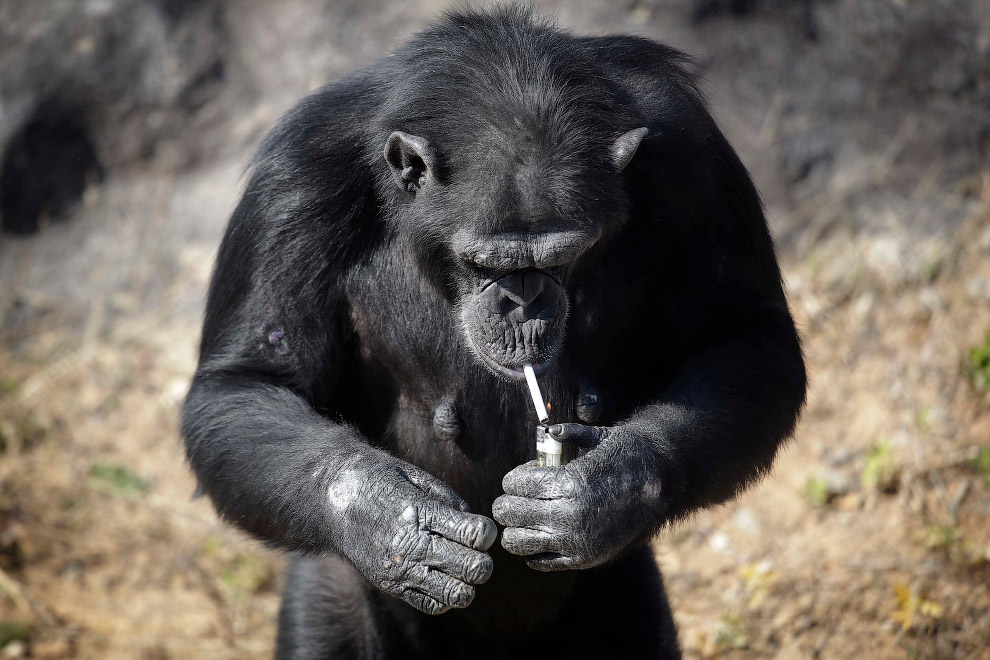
(866, 124)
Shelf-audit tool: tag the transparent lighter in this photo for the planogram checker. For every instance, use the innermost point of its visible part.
(548, 450)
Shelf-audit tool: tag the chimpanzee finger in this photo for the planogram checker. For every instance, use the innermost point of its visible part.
(544, 483)
(551, 561)
(524, 541)
(424, 603)
(513, 511)
(579, 435)
(468, 529)
(430, 585)
(470, 566)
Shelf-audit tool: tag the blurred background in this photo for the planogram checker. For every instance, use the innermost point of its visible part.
(125, 126)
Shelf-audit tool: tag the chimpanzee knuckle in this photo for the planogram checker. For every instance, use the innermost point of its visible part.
(510, 542)
(569, 483)
(446, 556)
(468, 531)
(411, 514)
(548, 565)
(592, 515)
(574, 519)
(424, 603)
(459, 594)
(525, 541)
(434, 607)
(440, 518)
(541, 565)
(416, 574)
(435, 487)
(510, 482)
(507, 510)
(389, 584)
(408, 542)
(514, 511)
(485, 532)
(478, 568)
(526, 480)
(502, 510)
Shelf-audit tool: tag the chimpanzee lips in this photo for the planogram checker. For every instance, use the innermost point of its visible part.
(511, 372)
(539, 369)
(514, 320)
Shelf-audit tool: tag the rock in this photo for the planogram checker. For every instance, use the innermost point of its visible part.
(719, 542)
(135, 73)
(839, 482)
(14, 649)
(747, 522)
(848, 502)
(806, 154)
(839, 456)
(56, 648)
(978, 288)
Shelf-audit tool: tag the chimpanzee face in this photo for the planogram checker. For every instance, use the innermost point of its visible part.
(500, 226)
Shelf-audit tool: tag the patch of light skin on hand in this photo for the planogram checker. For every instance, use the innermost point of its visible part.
(345, 488)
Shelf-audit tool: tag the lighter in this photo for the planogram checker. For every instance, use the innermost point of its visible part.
(548, 450)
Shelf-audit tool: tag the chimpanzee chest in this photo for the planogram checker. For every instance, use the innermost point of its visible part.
(431, 403)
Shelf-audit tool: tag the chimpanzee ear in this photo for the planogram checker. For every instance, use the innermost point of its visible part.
(411, 160)
(625, 147)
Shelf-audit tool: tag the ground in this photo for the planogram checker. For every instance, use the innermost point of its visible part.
(871, 538)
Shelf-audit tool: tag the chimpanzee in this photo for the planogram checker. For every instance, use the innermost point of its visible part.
(496, 193)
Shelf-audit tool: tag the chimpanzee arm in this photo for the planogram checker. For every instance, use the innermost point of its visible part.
(716, 429)
(717, 425)
(273, 344)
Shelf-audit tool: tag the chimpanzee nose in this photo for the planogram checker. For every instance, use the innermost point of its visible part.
(522, 289)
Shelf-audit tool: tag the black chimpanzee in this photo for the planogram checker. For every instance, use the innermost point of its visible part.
(496, 193)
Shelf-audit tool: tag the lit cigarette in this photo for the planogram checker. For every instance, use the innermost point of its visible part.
(534, 391)
(548, 450)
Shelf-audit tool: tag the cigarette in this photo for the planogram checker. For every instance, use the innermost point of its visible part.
(534, 391)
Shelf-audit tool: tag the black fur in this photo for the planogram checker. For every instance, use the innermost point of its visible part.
(352, 388)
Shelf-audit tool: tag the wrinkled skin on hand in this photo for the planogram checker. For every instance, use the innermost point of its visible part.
(588, 511)
(409, 534)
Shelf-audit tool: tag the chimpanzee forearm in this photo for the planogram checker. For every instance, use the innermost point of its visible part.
(279, 470)
(721, 422)
(266, 458)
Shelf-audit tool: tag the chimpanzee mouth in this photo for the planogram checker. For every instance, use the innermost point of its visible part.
(512, 373)
(514, 320)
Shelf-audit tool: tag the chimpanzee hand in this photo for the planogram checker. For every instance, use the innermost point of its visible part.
(588, 511)
(409, 534)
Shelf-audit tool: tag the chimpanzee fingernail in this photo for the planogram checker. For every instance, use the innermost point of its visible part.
(556, 429)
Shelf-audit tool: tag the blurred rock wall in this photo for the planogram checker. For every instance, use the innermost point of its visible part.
(868, 103)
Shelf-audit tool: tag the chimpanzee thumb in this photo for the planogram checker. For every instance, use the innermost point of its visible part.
(579, 435)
